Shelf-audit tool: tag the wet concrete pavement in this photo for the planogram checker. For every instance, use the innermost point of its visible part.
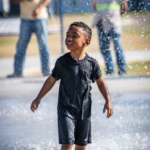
(127, 129)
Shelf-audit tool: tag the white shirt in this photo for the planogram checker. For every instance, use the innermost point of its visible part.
(27, 8)
(109, 18)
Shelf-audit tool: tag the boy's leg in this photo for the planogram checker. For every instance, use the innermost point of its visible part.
(66, 128)
(69, 147)
(78, 147)
(66, 147)
(74, 132)
(83, 133)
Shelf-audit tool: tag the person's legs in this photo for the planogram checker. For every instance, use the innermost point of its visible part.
(66, 147)
(24, 37)
(69, 147)
(83, 133)
(72, 131)
(119, 53)
(40, 29)
(78, 147)
(104, 45)
(66, 128)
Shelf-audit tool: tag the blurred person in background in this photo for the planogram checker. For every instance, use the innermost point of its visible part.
(33, 20)
(107, 19)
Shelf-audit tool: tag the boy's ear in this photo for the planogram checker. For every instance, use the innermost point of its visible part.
(87, 42)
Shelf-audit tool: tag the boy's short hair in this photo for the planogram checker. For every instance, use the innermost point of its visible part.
(84, 26)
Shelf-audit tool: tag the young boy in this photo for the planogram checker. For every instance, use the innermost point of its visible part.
(76, 70)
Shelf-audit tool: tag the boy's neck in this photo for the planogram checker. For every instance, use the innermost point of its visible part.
(77, 55)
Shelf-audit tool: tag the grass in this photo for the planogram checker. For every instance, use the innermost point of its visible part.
(139, 68)
(131, 38)
(134, 69)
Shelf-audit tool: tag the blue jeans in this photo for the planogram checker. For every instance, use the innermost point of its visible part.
(104, 44)
(27, 27)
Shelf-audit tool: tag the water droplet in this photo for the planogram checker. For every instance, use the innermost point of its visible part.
(137, 135)
(130, 67)
(145, 67)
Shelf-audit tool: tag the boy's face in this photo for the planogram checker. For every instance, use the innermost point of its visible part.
(76, 39)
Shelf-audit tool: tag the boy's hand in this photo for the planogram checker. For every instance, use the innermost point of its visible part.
(35, 104)
(109, 108)
(105, 92)
(49, 83)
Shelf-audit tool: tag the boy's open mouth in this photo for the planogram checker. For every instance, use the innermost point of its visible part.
(69, 44)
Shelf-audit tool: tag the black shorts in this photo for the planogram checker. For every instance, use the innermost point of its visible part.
(73, 131)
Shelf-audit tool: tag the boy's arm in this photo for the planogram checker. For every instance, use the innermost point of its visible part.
(49, 83)
(105, 92)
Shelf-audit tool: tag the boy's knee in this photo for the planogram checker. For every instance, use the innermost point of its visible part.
(79, 147)
(66, 146)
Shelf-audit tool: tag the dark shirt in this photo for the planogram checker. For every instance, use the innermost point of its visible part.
(75, 87)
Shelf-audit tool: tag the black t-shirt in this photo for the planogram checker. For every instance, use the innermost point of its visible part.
(75, 87)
